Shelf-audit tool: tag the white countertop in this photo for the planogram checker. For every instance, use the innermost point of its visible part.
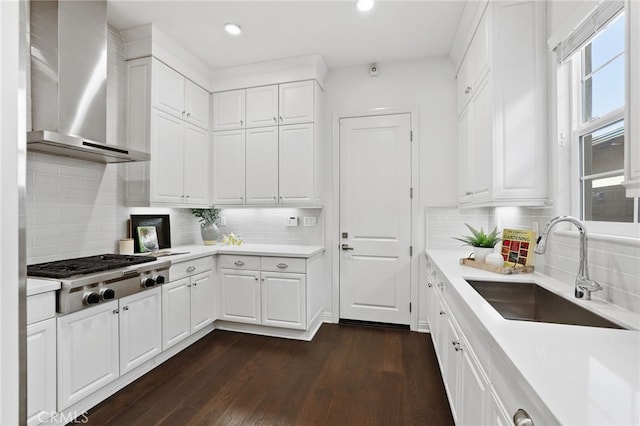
(585, 375)
(38, 285)
(284, 250)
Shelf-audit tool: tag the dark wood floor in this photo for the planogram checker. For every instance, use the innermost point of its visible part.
(348, 375)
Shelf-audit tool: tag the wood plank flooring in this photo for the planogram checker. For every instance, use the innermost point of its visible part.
(348, 375)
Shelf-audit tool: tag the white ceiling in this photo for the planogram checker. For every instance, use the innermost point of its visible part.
(394, 30)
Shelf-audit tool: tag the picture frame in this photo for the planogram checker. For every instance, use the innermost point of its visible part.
(161, 223)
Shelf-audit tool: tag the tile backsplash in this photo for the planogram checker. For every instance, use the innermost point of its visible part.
(614, 262)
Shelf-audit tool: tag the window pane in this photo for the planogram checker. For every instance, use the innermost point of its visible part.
(603, 149)
(603, 91)
(607, 44)
(606, 203)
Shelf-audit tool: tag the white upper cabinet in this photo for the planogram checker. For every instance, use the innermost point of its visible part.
(179, 96)
(280, 161)
(632, 119)
(262, 106)
(296, 162)
(229, 167)
(168, 116)
(262, 165)
(502, 93)
(296, 102)
(229, 110)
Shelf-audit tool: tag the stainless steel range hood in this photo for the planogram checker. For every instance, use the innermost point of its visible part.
(69, 82)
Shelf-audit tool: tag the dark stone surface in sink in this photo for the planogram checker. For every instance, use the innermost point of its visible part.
(530, 302)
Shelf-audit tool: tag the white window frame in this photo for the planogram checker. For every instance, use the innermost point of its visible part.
(570, 74)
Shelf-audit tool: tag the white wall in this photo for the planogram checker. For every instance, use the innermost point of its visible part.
(427, 84)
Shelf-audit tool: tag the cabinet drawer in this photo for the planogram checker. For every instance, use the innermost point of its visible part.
(190, 267)
(230, 261)
(41, 306)
(283, 264)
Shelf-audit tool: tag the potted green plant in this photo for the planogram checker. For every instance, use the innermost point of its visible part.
(208, 219)
(481, 242)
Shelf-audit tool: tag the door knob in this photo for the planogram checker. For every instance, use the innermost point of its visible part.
(346, 247)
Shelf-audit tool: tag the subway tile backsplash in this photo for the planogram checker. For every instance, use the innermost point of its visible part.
(613, 263)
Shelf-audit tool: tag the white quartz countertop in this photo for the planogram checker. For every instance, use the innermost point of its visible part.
(38, 285)
(184, 253)
(585, 375)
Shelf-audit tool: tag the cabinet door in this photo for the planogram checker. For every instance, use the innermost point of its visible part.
(140, 328)
(296, 102)
(41, 371)
(229, 110)
(196, 104)
(284, 300)
(452, 371)
(240, 296)
(176, 316)
(202, 300)
(465, 158)
(167, 162)
(473, 389)
(632, 117)
(463, 82)
(481, 148)
(497, 414)
(262, 165)
(229, 167)
(262, 106)
(197, 169)
(168, 90)
(87, 352)
(295, 156)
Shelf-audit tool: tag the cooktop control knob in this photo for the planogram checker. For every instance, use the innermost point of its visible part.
(148, 282)
(159, 279)
(91, 298)
(107, 294)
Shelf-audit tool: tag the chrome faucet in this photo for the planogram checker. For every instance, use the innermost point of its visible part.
(584, 284)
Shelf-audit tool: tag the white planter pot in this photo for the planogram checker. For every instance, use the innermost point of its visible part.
(480, 253)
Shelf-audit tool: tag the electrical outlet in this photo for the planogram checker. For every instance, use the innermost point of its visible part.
(223, 221)
(309, 221)
(292, 221)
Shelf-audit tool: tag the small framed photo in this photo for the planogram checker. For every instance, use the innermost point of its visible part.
(147, 239)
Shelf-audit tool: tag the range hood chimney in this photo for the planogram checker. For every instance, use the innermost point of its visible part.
(69, 82)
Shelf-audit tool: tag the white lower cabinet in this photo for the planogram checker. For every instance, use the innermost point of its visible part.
(187, 306)
(140, 328)
(98, 344)
(481, 390)
(41, 371)
(87, 352)
(254, 290)
(283, 300)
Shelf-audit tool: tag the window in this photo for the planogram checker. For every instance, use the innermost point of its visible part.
(598, 85)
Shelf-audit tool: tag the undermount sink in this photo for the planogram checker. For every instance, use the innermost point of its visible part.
(530, 302)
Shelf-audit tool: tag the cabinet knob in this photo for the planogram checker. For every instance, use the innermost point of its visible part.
(468, 193)
(275, 120)
(522, 418)
(281, 119)
(126, 308)
(241, 122)
(183, 113)
(429, 285)
(116, 311)
(188, 114)
(442, 312)
(282, 265)
(238, 263)
(467, 90)
(191, 268)
(256, 278)
(195, 284)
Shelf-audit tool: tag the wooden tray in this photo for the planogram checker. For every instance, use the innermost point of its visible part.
(496, 269)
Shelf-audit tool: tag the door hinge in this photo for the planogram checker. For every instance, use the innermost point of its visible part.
(410, 192)
(409, 306)
(411, 136)
(410, 250)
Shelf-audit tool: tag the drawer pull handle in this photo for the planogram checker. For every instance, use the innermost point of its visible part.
(191, 268)
(522, 418)
(282, 265)
(238, 263)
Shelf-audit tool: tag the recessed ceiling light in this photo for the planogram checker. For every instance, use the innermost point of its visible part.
(364, 5)
(233, 29)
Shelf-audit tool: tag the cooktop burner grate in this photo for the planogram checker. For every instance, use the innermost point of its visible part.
(84, 265)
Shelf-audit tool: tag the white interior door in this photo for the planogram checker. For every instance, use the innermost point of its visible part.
(375, 218)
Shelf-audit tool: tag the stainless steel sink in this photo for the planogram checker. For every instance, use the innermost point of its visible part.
(530, 302)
